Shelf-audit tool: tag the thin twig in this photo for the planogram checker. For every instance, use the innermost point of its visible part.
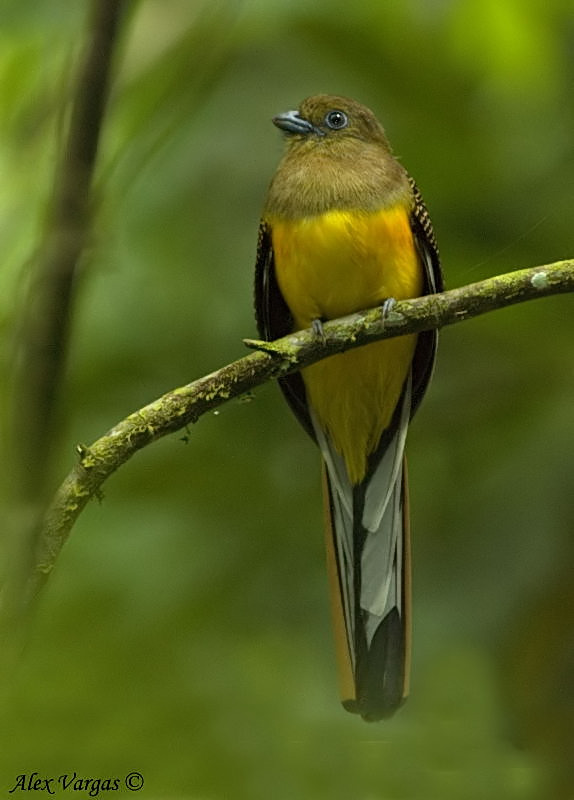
(44, 329)
(44, 322)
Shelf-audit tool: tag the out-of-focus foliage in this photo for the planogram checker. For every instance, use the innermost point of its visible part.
(185, 632)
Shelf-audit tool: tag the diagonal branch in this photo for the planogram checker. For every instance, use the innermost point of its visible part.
(187, 404)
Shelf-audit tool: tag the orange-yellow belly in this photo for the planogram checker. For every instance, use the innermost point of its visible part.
(334, 264)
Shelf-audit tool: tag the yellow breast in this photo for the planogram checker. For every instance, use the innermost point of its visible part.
(334, 264)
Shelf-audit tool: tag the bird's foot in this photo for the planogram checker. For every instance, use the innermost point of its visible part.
(317, 328)
(387, 307)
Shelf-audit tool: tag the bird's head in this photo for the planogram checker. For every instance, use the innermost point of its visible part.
(325, 120)
(337, 156)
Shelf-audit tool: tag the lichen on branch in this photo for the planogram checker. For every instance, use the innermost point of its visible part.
(185, 405)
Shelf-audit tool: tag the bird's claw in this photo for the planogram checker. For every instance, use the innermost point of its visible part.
(318, 331)
(388, 306)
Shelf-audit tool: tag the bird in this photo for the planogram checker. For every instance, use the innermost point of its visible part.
(344, 228)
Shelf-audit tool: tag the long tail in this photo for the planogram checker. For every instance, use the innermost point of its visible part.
(368, 558)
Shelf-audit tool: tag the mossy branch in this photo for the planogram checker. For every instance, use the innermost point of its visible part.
(185, 405)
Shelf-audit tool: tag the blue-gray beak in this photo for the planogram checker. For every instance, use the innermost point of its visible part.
(292, 122)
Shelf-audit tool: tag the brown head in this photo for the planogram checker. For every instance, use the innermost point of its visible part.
(330, 120)
(337, 157)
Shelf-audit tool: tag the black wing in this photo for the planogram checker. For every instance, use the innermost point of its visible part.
(424, 357)
(275, 320)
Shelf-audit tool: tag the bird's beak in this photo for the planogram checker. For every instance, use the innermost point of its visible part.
(292, 122)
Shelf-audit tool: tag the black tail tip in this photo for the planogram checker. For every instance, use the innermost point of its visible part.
(381, 673)
(372, 713)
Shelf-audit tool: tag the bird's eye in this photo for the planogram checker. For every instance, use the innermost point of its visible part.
(336, 120)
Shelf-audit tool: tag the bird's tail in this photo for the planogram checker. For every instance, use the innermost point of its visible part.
(369, 577)
(368, 555)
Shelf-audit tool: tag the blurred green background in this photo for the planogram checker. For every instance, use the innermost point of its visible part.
(185, 632)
